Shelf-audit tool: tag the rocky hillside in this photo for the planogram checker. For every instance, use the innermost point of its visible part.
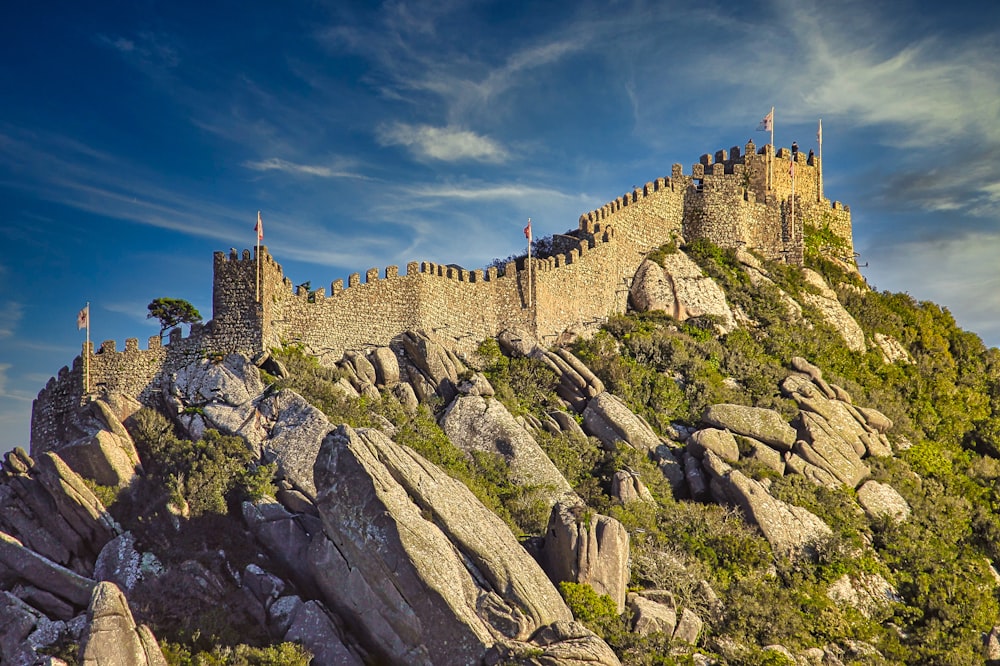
(760, 464)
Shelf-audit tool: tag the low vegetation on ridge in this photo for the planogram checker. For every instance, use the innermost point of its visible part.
(944, 403)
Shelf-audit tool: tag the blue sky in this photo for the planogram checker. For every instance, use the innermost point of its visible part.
(138, 137)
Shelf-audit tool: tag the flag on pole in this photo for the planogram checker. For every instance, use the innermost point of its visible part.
(819, 133)
(767, 123)
(83, 318)
(259, 228)
(527, 230)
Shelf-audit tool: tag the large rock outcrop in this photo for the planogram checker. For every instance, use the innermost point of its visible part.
(788, 528)
(764, 425)
(47, 507)
(295, 432)
(680, 289)
(112, 637)
(477, 423)
(422, 571)
(585, 547)
(216, 394)
(832, 311)
(95, 444)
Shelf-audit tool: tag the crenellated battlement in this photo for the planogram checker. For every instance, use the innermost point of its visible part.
(740, 197)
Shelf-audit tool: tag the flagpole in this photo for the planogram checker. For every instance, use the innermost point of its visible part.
(770, 163)
(819, 171)
(529, 262)
(257, 230)
(86, 357)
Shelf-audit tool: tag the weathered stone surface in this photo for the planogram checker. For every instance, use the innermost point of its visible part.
(876, 419)
(650, 616)
(695, 478)
(800, 364)
(680, 289)
(414, 562)
(765, 455)
(234, 381)
(788, 528)
(17, 622)
(830, 451)
(286, 538)
(833, 312)
(562, 643)
(993, 645)
(516, 341)
(119, 562)
(363, 368)
(585, 547)
(797, 465)
(567, 423)
(406, 396)
(839, 418)
(475, 423)
(96, 445)
(428, 354)
(867, 592)
(477, 384)
(765, 425)
(609, 420)
(294, 439)
(577, 384)
(688, 627)
(312, 627)
(720, 442)
(386, 365)
(106, 458)
(627, 487)
(879, 499)
(892, 349)
(673, 471)
(47, 507)
(112, 637)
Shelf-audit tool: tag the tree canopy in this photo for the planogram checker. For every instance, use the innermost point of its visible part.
(172, 312)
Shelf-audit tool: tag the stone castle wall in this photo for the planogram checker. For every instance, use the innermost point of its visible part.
(725, 199)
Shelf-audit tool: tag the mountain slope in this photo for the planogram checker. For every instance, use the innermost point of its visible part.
(787, 468)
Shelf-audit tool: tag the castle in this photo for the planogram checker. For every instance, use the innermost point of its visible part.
(736, 198)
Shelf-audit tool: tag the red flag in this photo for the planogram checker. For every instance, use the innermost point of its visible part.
(259, 228)
(527, 230)
(83, 318)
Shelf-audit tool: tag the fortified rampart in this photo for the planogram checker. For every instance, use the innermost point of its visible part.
(736, 198)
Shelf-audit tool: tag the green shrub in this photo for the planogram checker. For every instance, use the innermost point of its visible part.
(587, 605)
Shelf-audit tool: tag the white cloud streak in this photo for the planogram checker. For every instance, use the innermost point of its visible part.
(11, 314)
(448, 144)
(284, 166)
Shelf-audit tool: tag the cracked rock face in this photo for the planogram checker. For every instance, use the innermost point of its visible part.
(413, 561)
(680, 289)
(477, 423)
(112, 637)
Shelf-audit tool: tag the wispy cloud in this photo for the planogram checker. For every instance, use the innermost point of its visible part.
(449, 144)
(147, 50)
(69, 173)
(5, 391)
(278, 164)
(488, 192)
(11, 314)
(965, 272)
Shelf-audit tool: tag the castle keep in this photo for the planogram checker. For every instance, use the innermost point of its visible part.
(726, 199)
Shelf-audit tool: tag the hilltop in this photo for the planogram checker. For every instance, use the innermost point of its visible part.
(692, 434)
